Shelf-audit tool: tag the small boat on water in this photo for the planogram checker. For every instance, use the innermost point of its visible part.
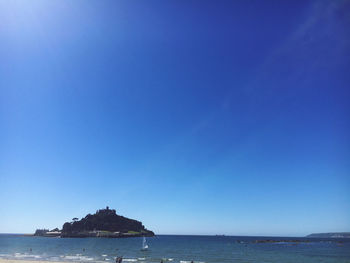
(144, 244)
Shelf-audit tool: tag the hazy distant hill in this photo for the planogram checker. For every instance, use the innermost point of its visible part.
(331, 235)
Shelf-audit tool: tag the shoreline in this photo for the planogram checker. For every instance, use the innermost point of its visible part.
(3, 260)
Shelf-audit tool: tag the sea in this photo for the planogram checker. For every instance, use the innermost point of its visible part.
(177, 249)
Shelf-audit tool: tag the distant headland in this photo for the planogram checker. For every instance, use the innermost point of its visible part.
(330, 235)
(104, 223)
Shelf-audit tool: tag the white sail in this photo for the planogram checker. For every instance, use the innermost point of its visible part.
(144, 244)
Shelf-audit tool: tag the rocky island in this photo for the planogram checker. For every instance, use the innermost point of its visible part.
(104, 223)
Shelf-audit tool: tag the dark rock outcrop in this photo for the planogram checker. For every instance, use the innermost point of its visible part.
(104, 223)
(46, 233)
(40, 232)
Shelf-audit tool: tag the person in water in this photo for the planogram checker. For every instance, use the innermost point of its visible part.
(119, 260)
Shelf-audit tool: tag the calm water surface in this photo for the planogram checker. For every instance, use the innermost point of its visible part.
(177, 249)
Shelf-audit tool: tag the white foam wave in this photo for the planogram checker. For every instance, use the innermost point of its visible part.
(78, 258)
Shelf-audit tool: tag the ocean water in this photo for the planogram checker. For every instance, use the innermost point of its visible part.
(179, 249)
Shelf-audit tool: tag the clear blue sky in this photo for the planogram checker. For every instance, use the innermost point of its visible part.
(195, 117)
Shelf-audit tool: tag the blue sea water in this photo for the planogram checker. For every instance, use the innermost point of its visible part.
(177, 249)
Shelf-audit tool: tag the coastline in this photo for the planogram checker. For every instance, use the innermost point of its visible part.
(3, 260)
